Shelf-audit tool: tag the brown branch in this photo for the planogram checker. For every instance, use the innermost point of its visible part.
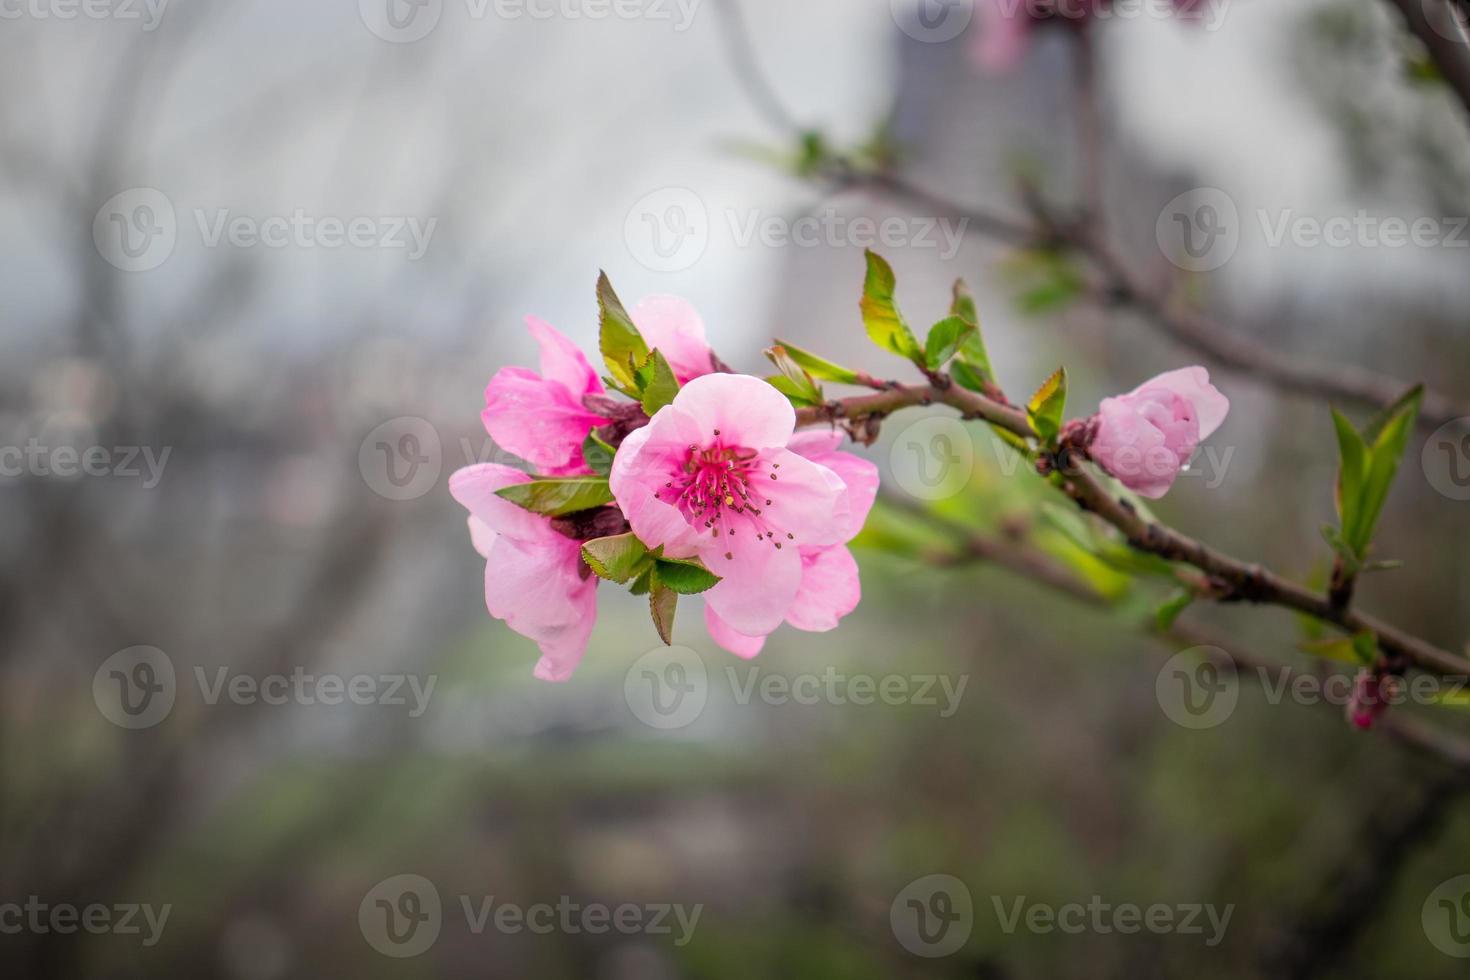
(1023, 559)
(1235, 579)
(1450, 55)
(1120, 286)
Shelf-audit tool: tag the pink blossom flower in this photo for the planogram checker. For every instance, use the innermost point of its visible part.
(829, 588)
(1372, 694)
(541, 417)
(1006, 25)
(535, 579)
(1145, 437)
(675, 328)
(711, 476)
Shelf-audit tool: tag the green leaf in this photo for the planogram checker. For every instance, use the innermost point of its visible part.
(1410, 399)
(597, 454)
(967, 377)
(798, 386)
(662, 600)
(643, 582)
(560, 495)
(1365, 646)
(661, 387)
(1390, 437)
(617, 558)
(944, 340)
(1165, 615)
(972, 352)
(1339, 648)
(685, 576)
(820, 368)
(621, 344)
(1334, 540)
(885, 325)
(1352, 454)
(1044, 410)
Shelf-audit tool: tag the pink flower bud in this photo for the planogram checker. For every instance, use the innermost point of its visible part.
(1144, 438)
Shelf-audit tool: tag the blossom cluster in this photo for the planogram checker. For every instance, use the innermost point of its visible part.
(697, 482)
(717, 482)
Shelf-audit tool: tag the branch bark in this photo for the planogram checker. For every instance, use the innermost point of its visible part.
(1242, 581)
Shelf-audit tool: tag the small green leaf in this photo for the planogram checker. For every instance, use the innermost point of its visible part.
(1390, 438)
(944, 340)
(972, 354)
(793, 391)
(1365, 646)
(798, 385)
(1352, 454)
(1339, 648)
(661, 387)
(966, 376)
(1165, 615)
(597, 454)
(1334, 540)
(560, 495)
(1045, 408)
(619, 340)
(820, 368)
(1386, 565)
(643, 582)
(662, 601)
(617, 558)
(685, 576)
(885, 324)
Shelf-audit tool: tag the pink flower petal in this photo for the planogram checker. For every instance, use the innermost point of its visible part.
(737, 643)
(563, 362)
(537, 589)
(759, 581)
(829, 590)
(1193, 385)
(537, 420)
(859, 476)
(807, 500)
(746, 410)
(674, 327)
(474, 487)
(648, 459)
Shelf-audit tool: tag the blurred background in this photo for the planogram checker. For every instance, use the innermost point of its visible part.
(261, 260)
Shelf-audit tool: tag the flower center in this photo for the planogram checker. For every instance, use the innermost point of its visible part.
(727, 490)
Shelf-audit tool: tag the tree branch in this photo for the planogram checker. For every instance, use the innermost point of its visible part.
(1240, 580)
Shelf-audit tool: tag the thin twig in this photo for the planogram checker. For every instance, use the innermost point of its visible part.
(1235, 579)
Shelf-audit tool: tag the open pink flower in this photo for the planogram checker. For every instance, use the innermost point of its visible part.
(675, 328)
(1005, 26)
(540, 417)
(535, 579)
(830, 588)
(711, 476)
(1145, 437)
